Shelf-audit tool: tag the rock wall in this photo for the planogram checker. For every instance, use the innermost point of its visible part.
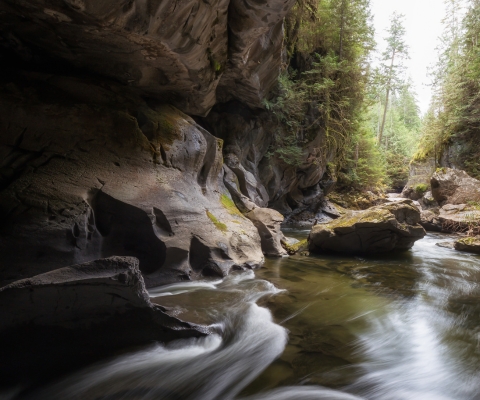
(176, 51)
(263, 177)
(100, 156)
(89, 170)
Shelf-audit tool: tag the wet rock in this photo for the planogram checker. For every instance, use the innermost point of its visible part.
(388, 227)
(292, 248)
(89, 170)
(81, 295)
(451, 186)
(446, 245)
(73, 316)
(469, 244)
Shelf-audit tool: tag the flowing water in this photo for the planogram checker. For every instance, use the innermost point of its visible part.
(401, 326)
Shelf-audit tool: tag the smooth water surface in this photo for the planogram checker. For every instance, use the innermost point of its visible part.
(403, 326)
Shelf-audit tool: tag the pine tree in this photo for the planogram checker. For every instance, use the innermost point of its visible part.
(392, 66)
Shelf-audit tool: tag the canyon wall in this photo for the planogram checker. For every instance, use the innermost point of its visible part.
(136, 128)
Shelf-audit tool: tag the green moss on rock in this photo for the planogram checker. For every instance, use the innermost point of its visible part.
(292, 249)
(220, 225)
(228, 203)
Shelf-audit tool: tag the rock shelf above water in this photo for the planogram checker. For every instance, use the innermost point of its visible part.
(384, 228)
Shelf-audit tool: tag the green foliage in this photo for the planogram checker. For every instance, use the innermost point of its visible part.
(323, 89)
(228, 203)
(421, 188)
(454, 116)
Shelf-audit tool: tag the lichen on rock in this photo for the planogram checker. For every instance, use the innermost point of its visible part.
(392, 226)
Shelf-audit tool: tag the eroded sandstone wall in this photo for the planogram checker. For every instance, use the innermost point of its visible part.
(89, 170)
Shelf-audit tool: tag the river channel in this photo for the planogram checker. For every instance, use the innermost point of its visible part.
(399, 326)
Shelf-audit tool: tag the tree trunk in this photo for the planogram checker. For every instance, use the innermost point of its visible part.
(389, 83)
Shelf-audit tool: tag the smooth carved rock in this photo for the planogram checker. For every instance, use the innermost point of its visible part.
(174, 51)
(73, 316)
(90, 171)
(256, 39)
(79, 296)
(452, 186)
(469, 244)
(268, 222)
(382, 228)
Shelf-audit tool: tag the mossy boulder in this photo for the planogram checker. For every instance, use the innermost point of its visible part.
(470, 244)
(388, 227)
(296, 247)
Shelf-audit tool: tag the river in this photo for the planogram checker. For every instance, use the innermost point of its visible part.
(399, 326)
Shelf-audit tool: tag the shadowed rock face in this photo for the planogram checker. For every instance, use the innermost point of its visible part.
(262, 177)
(382, 228)
(74, 315)
(174, 51)
(90, 170)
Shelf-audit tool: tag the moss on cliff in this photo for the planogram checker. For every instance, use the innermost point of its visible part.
(220, 225)
(228, 203)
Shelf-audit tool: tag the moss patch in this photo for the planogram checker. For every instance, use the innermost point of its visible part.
(228, 203)
(220, 225)
(292, 249)
(351, 219)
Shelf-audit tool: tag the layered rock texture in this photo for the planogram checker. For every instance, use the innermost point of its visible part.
(74, 315)
(388, 227)
(179, 51)
(90, 170)
(298, 192)
(419, 179)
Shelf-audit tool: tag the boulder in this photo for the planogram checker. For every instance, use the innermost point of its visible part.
(388, 227)
(268, 222)
(79, 296)
(427, 201)
(469, 244)
(295, 246)
(90, 170)
(453, 186)
(431, 221)
(73, 316)
(459, 218)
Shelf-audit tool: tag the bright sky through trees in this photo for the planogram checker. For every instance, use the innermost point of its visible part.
(423, 24)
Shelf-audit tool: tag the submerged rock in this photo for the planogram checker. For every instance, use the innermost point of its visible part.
(446, 245)
(469, 244)
(393, 226)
